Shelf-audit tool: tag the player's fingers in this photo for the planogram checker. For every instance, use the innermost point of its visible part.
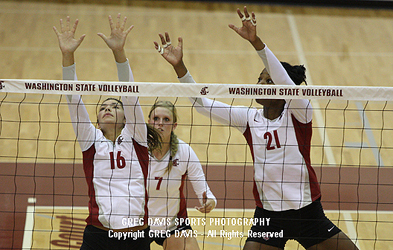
(118, 21)
(102, 36)
(56, 31)
(204, 195)
(200, 209)
(206, 209)
(68, 23)
(123, 24)
(158, 48)
(61, 26)
(75, 26)
(167, 38)
(82, 37)
(239, 13)
(253, 15)
(253, 19)
(129, 29)
(110, 22)
(246, 12)
(236, 29)
(162, 38)
(180, 40)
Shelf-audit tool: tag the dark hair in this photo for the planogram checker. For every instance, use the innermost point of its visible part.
(296, 72)
(115, 99)
(153, 136)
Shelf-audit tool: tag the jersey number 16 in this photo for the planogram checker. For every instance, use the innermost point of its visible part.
(120, 160)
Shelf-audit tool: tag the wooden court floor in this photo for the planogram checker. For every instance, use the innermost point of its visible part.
(338, 46)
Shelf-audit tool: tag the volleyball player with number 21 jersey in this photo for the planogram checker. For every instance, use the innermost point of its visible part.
(286, 189)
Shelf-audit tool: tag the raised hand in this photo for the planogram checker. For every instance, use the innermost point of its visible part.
(66, 36)
(118, 35)
(117, 38)
(248, 30)
(172, 54)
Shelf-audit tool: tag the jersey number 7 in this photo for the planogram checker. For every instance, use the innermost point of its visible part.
(159, 182)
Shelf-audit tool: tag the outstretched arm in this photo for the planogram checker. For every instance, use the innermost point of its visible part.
(84, 129)
(196, 175)
(116, 42)
(301, 108)
(221, 112)
(135, 123)
(248, 30)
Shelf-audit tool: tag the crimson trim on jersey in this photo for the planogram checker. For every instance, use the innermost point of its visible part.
(88, 167)
(303, 133)
(183, 204)
(143, 157)
(247, 135)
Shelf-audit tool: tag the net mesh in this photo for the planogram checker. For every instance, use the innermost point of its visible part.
(44, 190)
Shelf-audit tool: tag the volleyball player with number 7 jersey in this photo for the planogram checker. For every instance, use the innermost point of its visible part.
(115, 155)
(286, 189)
(169, 167)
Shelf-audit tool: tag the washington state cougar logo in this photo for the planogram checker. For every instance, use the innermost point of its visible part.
(204, 91)
(175, 162)
(1, 85)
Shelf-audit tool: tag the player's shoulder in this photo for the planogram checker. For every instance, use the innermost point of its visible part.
(255, 116)
(182, 145)
(99, 135)
(184, 148)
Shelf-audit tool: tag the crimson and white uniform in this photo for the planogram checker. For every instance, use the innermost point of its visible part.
(115, 172)
(283, 176)
(166, 189)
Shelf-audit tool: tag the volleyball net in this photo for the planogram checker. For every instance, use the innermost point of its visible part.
(45, 196)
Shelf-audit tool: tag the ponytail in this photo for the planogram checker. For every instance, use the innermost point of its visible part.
(173, 148)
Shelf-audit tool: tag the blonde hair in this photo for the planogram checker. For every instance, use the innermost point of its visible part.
(174, 141)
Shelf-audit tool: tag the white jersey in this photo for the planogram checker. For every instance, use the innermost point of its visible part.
(283, 176)
(167, 201)
(116, 173)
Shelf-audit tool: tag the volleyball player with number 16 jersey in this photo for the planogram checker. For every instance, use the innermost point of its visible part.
(115, 155)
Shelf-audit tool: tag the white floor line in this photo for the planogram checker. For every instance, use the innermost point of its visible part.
(351, 230)
(29, 224)
(370, 136)
(316, 107)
